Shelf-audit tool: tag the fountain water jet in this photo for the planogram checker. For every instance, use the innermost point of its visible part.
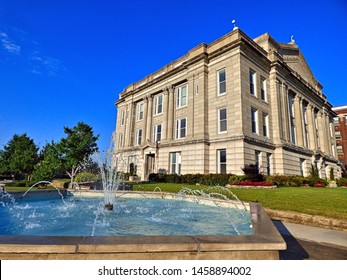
(111, 178)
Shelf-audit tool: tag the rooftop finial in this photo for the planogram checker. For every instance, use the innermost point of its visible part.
(234, 22)
(292, 39)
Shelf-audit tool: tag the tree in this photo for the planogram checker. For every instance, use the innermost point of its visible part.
(19, 157)
(49, 164)
(77, 147)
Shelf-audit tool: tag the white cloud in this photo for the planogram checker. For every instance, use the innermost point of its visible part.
(45, 64)
(8, 45)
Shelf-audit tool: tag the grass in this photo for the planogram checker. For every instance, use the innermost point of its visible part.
(328, 202)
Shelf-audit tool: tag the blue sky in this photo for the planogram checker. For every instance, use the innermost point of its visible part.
(66, 61)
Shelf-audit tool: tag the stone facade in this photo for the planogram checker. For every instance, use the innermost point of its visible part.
(232, 102)
(340, 123)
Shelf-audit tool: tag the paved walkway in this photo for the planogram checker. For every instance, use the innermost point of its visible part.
(307, 242)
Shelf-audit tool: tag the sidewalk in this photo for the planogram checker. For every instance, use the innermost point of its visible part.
(307, 242)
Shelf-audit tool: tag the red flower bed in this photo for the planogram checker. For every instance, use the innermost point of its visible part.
(319, 185)
(255, 184)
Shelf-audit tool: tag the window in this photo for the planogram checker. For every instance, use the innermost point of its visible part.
(157, 133)
(158, 104)
(181, 128)
(258, 160)
(222, 120)
(222, 161)
(139, 111)
(175, 163)
(302, 167)
(221, 82)
(182, 95)
(339, 149)
(252, 84)
(254, 118)
(138, 137)
(263, 95)
(268, 164)
(345, 119)
(291, 118)
(336, 119)
(122, 117)
(120, 140)
(338, 135)
(265, 125)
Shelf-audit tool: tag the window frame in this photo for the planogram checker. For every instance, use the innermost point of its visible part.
(179, 96)
(254, 121)
(179, 128)
(175, 167)
(138, 137)
(252, 82)
(222, 120)
(266, 130)
(158, 105)
(140, 108)
(263, 91)
(156, 133)
(219, 82)
(221, 166)
(122, 118)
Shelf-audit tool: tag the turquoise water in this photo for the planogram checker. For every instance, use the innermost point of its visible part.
(130, 217)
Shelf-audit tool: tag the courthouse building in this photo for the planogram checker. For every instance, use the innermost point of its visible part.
(340, 122)
(223, 105)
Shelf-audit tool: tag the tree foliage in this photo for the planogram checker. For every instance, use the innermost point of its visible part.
(49, 164)
(77, 147)
(19, 156)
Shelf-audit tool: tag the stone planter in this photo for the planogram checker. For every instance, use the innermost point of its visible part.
(332, 184)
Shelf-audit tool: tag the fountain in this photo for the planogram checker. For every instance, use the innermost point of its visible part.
(247, 234)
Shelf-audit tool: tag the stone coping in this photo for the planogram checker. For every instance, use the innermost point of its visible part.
(264, 244)
(308, 220)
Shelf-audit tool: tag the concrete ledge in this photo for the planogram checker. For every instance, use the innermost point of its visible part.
(306, 219)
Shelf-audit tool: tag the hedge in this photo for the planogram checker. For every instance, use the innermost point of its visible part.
(192, 179)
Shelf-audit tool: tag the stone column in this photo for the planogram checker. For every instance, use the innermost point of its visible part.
(144, 125)
(129, 125)
(298, 120)
(311, 127)
(149, 116)
(321, 131)
(165, 113)
(190, 101)
(327, 138)
(280, 110)
(170, 115)
(285, 116)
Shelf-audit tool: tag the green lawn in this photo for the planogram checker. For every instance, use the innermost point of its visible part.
(328, 202)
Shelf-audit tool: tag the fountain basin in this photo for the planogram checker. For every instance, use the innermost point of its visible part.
(265, 243)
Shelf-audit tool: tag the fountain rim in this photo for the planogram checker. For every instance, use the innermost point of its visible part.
(265, 240)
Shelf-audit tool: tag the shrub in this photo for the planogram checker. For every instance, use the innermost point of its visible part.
(251, 172)
(191, 179)
(86, 177)
(235, 179)
(342, 182)
(287, 181)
